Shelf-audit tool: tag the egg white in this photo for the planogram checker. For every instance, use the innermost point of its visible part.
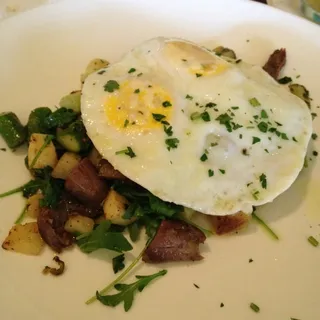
(237, 172)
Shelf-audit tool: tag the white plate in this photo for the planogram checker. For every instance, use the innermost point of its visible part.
(42, 55)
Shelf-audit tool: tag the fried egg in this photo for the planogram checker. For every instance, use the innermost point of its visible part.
(194, 129)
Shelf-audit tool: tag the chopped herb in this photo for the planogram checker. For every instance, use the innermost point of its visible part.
(198, 75)
(314, 115)
(222, 171)
(166, 104)
(196, 286)
(254, 102)
(204, 157)
(256, 195)
(126, 123)
(235, 126)
(294, 139)
(314, 136)
(189, 97)
(137, 91)
(285, 80)
(3, 149)
(127, 291)
(195, 115)
(272, 130)
(172, 143)
(128, 152)
(210, 105)
(158, 117)
(221, 305)
(132, 70)
(255, 140)
(168, 130)
(256, 117)
(210, 173)
(254, 307)
(265, 226)
(111, 86)
(315, 153)
(205, 116)
(224, 119)
(250, 260)
(101, 72)
(263, 181)
(284, 136)
(235, 108)
(266, 150)
(313, 241)
(264, 114)
(117, 263)
(278, 123)
(139, 74)
(263, 126)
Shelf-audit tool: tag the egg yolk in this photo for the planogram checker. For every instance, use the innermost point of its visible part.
(138, 106)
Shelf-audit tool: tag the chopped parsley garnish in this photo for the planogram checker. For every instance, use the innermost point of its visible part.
(254, 102)
(137, 91)
(285, 80)
(204, 157)
(139, 74)
(118, 263)
(128, 152)
(111, 86)
(254, 307)
(101, 72)
(158, 117)
(235, 108)
(263, 126)
(189, 97)
(205, 116)
(210, 173)
(224, 119)
(313, 241)
(198, 75)
(272, 130)
(222, 171)
(256, 195)
(210, 105)
(314, 136)
(166, 104)
(172, 143)
(266, 150)
(255, 140)
(263, 181)
(284, 136)
(315, 153)
(294, 139)
(132, 70)
(256, 117)
(168, 130)
(264, 114)
(126, 123)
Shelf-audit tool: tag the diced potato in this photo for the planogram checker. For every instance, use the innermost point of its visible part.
(24, 239)
(79, 224)
(95, 157)
(72, 101)
(47, 157)
(229, 224)
(94, 65)
(114, 208)
(66, 163)
(33, 205)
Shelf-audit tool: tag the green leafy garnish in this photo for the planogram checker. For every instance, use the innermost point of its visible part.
(60, 118)
(285, 80)
(263, 126)
(158, 117)
(263, 181)
(166, 104)
(204, 157)
(132, 70)
(255, 194)
(313, 241)
(137, 91)
(127, 291)
(172, 143)
(168, 130)
(264, 114)
(189, 97)
(235, 108)
(117, 263)
(210, 173)
(128, 152)
(222, 171)
(198, 75)
(102, 238)
(134, 231)
(126, 123)
(205, 116)
(254, 307)
(111, 86)
(255, 140)
(254, 102)
(265, 226)
(210, 105)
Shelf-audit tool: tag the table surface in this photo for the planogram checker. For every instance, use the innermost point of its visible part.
(9, 8)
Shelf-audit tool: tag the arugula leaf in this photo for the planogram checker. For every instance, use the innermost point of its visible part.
(101, 237)
(127, 291)
(117, 263)
(134, 231)
(60, 118)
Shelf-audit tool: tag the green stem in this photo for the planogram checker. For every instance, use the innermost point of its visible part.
(10, 192)
(22, 215)
(122, 275)
(265, 226)
(47, 140)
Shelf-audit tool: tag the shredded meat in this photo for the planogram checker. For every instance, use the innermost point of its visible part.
(175, 241)
(84, 184)
(275, 63)
(107, 171)
(51, 228)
